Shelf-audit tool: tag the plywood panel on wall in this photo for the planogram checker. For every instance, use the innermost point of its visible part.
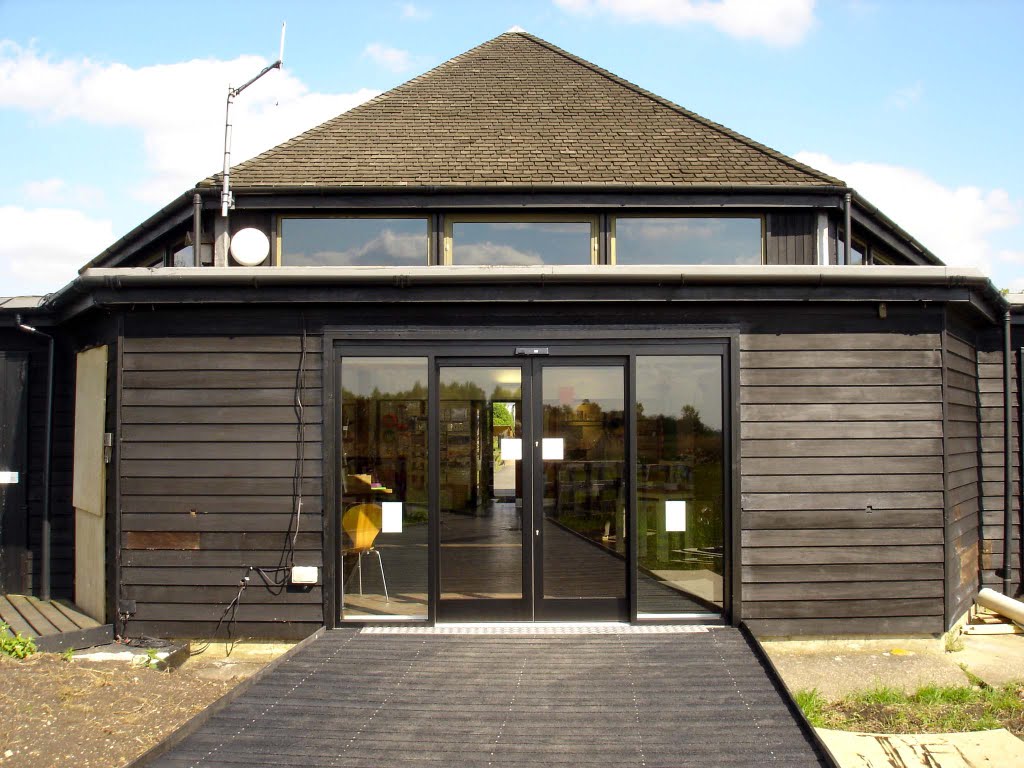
(89, 481)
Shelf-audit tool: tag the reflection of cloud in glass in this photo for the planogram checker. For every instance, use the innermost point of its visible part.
(687, 240)
(521, 242)
(386, 249)
(493, 253)
(561, 227)
(354, 242)
(670, 229)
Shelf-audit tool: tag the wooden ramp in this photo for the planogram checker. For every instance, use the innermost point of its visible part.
(56, 625)
(536, 696)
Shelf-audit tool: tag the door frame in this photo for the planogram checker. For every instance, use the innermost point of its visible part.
(533, 605)
(561, 341)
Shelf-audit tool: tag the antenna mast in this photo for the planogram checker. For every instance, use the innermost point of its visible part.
(226, 200)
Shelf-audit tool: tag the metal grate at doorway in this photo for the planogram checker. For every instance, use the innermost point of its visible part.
(539, 629)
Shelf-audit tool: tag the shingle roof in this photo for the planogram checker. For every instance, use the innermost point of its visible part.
(517, 110)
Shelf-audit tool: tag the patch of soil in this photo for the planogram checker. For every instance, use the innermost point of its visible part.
(92, 714)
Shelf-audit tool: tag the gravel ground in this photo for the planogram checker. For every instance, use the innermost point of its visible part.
(92, 714)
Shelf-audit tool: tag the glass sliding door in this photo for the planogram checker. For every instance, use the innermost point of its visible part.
(680, 485)
(482, 560)
(581, 518)
(383, 477)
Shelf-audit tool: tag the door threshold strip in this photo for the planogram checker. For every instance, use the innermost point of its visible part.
(554, 628)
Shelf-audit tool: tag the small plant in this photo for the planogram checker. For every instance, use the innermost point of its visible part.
(68, 654)
(16, 646)
(954, 642)
(150, 661)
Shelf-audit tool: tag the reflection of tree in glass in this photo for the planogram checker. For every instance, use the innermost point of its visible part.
(469, 390)
(692, 423)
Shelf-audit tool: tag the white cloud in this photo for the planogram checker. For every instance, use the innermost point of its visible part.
(414, 13)
(776, 22)
(59, 192)
(956, 224)
(42, 248)
(904, 98)
(393, 59)
(178, 108)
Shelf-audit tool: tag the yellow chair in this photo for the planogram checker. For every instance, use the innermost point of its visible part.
(361, 524)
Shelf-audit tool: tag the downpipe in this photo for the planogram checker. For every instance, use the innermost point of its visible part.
(1007, 458)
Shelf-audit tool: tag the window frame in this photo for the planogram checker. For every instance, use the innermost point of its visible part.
(451, 219)
(279, 231)
(613, 233)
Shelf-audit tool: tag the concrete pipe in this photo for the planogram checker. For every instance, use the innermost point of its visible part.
(1001, 604)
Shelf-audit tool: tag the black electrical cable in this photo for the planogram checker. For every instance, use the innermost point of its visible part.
(300, 464)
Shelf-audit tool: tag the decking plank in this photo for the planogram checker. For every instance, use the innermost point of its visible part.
(41, 626)
(80, 619)
(433, 700)
(53, 615)
(10, 616)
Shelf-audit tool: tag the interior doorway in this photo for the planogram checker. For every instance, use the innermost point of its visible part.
(555, 548)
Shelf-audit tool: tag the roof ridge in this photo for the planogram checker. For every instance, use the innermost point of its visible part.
(358, 107)
(773, 153)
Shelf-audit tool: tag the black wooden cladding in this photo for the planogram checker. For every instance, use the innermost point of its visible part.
(209, 445)
(963, 489)
(792, 238)
(991, 430)
(842, 485)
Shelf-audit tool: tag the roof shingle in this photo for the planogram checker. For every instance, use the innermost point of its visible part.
(514, 111)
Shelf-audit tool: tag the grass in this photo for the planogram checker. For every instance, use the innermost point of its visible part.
(930, 709)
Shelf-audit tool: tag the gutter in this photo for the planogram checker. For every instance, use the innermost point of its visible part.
(248, 277)
(441, 189)
(439, 275)
(150, 223)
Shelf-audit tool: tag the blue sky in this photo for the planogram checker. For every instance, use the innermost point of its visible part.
(108, 110)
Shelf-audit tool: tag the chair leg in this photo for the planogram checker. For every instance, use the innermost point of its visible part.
(359, 566)
(381, 564)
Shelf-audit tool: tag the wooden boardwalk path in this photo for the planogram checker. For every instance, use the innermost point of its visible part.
(56, 625)
(356, 698)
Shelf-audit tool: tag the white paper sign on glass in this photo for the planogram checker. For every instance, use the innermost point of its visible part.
(552, 449)
(511, 449)
(8, 478)
(391, 520)
(675, 515)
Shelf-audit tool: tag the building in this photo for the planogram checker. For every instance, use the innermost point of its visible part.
(529, 342)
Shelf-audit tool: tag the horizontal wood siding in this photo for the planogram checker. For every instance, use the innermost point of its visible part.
(209, 460)
(792, 238)
(990, 384)
(963, 477)
(842, 482)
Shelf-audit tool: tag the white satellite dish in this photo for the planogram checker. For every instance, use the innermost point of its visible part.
(250, 247)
